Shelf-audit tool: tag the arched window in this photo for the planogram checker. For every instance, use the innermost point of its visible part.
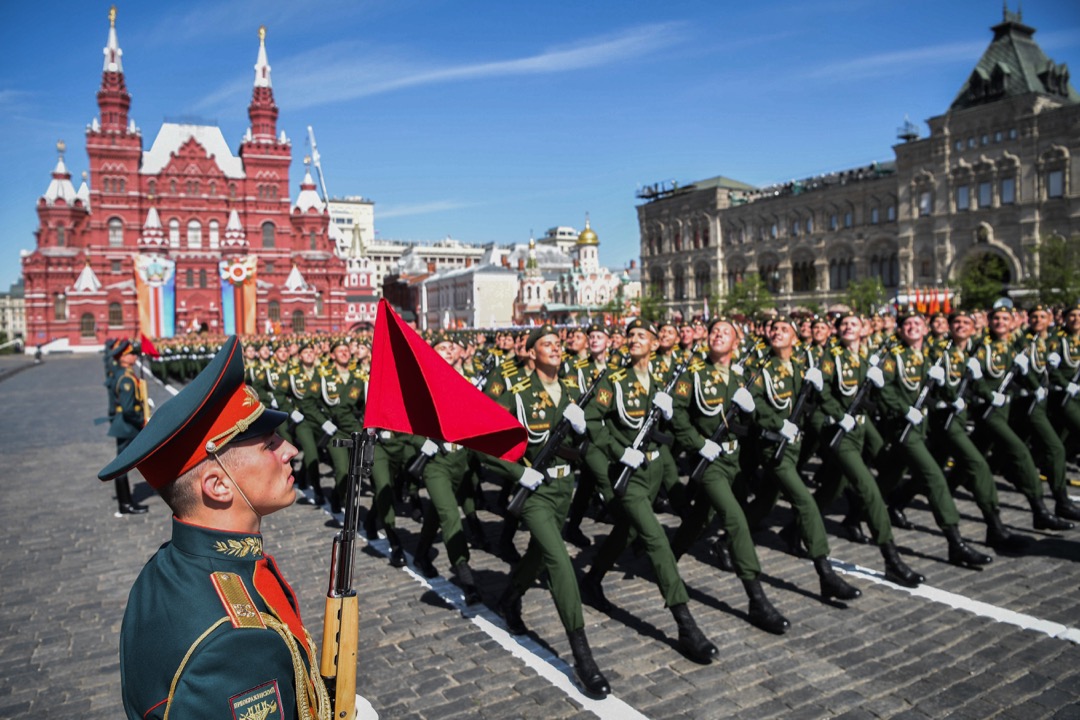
(318, 305)
(215, 236)
(189, 277)
(202, 277)
(116, 315)
(60, 307)
(87, 326)
(268, 234)
(151, 188)
(274, 311)
(702, 281)
(116, 232)
(680, 284)
(174, 233)
(311, 238)
(61, 236)
(194, 234)
(298, 321)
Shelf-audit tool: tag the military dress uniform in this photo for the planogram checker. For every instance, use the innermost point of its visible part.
(305, 388)
(623, 400)
(128, 417)
(343, 398)
(1064, 402)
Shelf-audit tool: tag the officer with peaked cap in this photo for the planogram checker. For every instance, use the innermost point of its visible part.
(128, 416)
(210, 621)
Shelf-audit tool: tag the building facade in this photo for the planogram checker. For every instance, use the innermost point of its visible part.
(13, 314)
(183, 236)
(994, 176)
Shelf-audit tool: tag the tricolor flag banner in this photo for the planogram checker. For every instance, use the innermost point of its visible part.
(238, 295)
(413, 390)
(155, 290)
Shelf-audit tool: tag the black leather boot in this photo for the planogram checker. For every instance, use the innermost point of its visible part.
(1064, 507)
(591, 678)
(896, 570)
(960, 553)
(509, 606)
(477, 539)
(999, 538)
(720, 551)
(465, 579)
(397, 554)
(506, 549)
(898, 519)
(692, 642)
(422, 558)
(853, 530)
(573, 535)
(832, 586)
(126, 506)
(592, 586)
(1043, 520)
(762, 613)
(792, 538)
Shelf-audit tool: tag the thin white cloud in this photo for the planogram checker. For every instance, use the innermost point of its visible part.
(893, 63)
(409, 210)
(347, 70)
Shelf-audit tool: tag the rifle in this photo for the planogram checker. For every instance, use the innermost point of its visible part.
(646, 429)
(1002, 386)
(551, 447)
(801, 403)
(924, 393)
(961, 390)
(1065, 396)
(341, 623)
(860, 397)
(722, 430)
(1044, 383)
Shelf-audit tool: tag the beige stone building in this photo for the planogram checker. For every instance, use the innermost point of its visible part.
(995, 175)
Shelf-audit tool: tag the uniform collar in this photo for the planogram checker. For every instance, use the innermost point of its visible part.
(217, 544)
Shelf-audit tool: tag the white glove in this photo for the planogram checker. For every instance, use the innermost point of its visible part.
(1053, 360)
(789, 431)
(663, 401)
(744, 400)
(875, 376)
(1072, 389)
(847, 423)
(1022, 363)
(974, 368)
(531, 479)
(813, 376)
(710, 451)
(297, 416)
(273, 402)
(998, 399)
(576, 417)
(737, 369)
(937, 374)
(959, 404)
(632, 458)
(1040, 394)
(329, 428)
(429, 448)
(913, 416)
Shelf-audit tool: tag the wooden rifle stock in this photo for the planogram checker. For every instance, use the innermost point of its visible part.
(646, 429)
(341, 623)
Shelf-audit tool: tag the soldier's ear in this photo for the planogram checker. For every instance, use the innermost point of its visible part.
(215, 486)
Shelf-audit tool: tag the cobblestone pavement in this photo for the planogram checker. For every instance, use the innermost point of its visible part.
(67, 563)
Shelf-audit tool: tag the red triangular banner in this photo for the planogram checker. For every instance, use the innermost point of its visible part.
(413, 390)
(147, 347)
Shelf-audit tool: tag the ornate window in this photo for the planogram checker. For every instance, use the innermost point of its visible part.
(268, 234)
(986, 194)
(298, 321)
(116, 232)
(194, 234)
(680, 284)
(215, 234)
(963, 198)
(202, 277)
(1008, 191)
(803, 276)
(702, 281)
(875, 215)
(87, 326)
(116, 315)
(311, 239)
(61, 236)
(60, 307)
(273, 311)
(1055, 184)
(174, 233)
(925, 203)
(189, 278)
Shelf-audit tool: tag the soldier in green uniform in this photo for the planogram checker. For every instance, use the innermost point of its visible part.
(845, 369)
(128, 418)
(311, 422)
(238, 648)
(775, 391)
(623, 399)
(996, 357)
(1064, 361)
(539, 402)
(703, 395)
(343, 389)
(906, 369)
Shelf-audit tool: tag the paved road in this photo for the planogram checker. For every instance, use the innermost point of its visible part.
(955, 648)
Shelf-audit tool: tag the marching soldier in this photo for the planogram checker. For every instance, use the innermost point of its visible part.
(703, 395)
(539, 401)
(775, 391)
(623, 399)
(343, 390)
(128, 417)
(1064, 405)
(238, 644)
(311, 422)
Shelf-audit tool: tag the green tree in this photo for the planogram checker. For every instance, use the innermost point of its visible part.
(652, 305)
(982, 280)
(1058, 282)
(750, 297)
(866, 295)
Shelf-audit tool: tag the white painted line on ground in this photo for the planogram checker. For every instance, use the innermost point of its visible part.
(545, 663)
(169, 388)
(960, 602)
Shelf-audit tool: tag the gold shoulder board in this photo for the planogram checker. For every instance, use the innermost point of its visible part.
(520, 386)
(238, 603)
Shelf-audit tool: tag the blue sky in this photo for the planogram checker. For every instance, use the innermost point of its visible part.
(485, 121)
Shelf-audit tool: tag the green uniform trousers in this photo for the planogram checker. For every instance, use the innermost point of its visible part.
(1043, 438)
(845, 464)
(714, 495)
(593, 479)
(783, 478)
(925, 470)
(970, 468)
(544, 514)
(1009, 452)
(443, 477)
(306, 433)
(633, 512)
